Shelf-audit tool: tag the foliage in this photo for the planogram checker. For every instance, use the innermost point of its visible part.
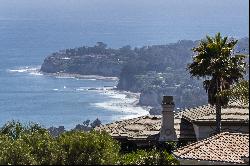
(171, 146)
(44, 148)
(28, 144)
(14, 129)
(239, 92)
(15, 152)
(31, 144)
(96, 123)
(134, 65)
(86, 122)
(89, 148)
(152, 157)
(215, 62)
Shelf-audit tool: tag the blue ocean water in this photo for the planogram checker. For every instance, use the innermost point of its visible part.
(31, 30)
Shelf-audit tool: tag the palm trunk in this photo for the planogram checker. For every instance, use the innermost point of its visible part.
(218, 117)
(218, 107)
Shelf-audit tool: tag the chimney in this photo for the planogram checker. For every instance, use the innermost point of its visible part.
(167, 132)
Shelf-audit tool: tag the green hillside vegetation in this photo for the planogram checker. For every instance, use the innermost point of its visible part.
(33, 145)
(151, 70)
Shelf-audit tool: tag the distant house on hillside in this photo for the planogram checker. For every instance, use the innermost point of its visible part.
(222, 149)
(185, 126)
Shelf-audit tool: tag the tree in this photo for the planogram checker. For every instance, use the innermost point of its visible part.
(15, 129)
(150, 157)
(28, 144)
(32, 145)
(216, 62)
(96, 123)
(15, 152)
(89, 148)
(239, 92)
(86, 122)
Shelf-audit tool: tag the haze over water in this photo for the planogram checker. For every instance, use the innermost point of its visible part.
(31, 30)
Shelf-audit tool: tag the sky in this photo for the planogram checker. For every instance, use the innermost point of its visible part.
(32, 9)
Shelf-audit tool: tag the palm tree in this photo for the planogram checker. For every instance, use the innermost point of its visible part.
(216, 63)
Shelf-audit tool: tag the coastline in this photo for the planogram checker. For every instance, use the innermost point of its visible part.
(123, 101)
(124, 104)
(79, 76)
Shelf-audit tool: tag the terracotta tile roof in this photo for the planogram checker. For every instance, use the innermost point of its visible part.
(147, 127)
(144, 127)
(237, 103)
(224, 147)
(207, 113)
(137, 128)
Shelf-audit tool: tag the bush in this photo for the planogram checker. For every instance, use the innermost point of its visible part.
(89, 148)
(15, 152)
(44, 148)
(32, 144)
(15, 129)
(152, 157)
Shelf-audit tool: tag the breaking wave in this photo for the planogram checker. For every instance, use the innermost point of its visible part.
(26, 69)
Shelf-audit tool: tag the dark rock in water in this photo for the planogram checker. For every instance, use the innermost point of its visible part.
(92, 88)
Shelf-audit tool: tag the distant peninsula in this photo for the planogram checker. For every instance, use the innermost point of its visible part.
(152, 71)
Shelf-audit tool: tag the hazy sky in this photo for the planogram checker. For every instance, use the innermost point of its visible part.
(98, 9)
(122, 22)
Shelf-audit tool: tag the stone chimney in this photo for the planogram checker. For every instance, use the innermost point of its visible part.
(167, 132)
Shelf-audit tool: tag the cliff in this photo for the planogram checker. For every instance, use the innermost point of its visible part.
(85, 65)
(151, 70)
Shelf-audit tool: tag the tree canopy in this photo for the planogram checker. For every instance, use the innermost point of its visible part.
(33, 145)
(239, 92)
(216, 62)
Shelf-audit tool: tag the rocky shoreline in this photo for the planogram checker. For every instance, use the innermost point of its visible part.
(125, 101)
(129, 104)
(151, 71)
(128, 94)
(79, 76)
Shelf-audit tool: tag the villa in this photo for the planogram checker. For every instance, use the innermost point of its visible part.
(186, 126)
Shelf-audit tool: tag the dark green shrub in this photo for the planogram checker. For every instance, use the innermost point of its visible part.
(31, 144)
(14, 129)
(152, 157)
(83, 148)
(28, 144)
(44, 148)
(15, 152)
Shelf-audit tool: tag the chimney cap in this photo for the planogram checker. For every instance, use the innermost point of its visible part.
(167, 100)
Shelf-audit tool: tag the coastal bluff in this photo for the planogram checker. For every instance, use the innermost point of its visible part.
(100, 64)
(152, 71)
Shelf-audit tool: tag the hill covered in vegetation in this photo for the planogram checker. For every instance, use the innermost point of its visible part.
(153, 71)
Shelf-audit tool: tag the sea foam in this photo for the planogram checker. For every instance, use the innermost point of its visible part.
(26, 69)
(124, 102)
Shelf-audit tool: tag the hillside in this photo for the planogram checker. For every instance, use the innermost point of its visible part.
(151, 70)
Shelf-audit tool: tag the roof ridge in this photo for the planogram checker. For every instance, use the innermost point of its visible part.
(198, 109)
(232, 133)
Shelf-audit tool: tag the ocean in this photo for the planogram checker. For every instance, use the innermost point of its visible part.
(32, 30)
